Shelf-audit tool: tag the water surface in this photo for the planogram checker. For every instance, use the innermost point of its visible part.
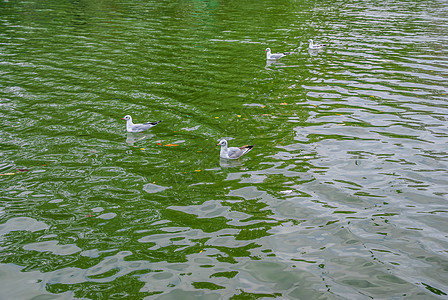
(344, 195)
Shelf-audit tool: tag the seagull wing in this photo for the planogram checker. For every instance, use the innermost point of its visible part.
(278, 55)
(151, 124)
(235, 152)
(144, 126)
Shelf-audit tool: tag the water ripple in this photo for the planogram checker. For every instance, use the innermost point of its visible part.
(343, 195)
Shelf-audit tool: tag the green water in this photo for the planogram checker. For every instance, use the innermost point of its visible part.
(344, 195)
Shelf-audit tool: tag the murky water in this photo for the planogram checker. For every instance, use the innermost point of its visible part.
(344, 195)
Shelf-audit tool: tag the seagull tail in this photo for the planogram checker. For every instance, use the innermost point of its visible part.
(246, 148)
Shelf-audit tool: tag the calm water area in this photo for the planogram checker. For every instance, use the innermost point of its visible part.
(344, 195)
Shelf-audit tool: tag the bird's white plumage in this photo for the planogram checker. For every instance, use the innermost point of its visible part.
(272, 56)
(131, 127)
(315, 46)
(232, 152)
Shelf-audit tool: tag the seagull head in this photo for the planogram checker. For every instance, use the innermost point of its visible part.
(268, 50)
(222, 143)
(127, 118)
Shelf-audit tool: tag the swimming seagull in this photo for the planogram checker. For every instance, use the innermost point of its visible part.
(232, 152)
(315, 46)
(131, 127)
(270, 56)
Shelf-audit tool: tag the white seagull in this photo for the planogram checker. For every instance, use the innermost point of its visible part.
(315, 46)
(271, 56)
(232, 152)
(131, 127)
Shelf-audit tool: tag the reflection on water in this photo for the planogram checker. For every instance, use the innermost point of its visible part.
(132, 138)
(344, 196)
(273, 63)
(154, 188)
(314, 52)
(231, 163)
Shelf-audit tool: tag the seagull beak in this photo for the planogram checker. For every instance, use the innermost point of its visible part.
(217, 144)
(122, 118)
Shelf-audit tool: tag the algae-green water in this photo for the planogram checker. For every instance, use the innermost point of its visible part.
(344, 195)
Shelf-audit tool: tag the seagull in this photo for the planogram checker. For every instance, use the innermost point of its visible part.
(232, 152)
(315, 46)
(131, 127)
(270, 55)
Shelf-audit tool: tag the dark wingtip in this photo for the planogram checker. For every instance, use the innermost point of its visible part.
(247, 147)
